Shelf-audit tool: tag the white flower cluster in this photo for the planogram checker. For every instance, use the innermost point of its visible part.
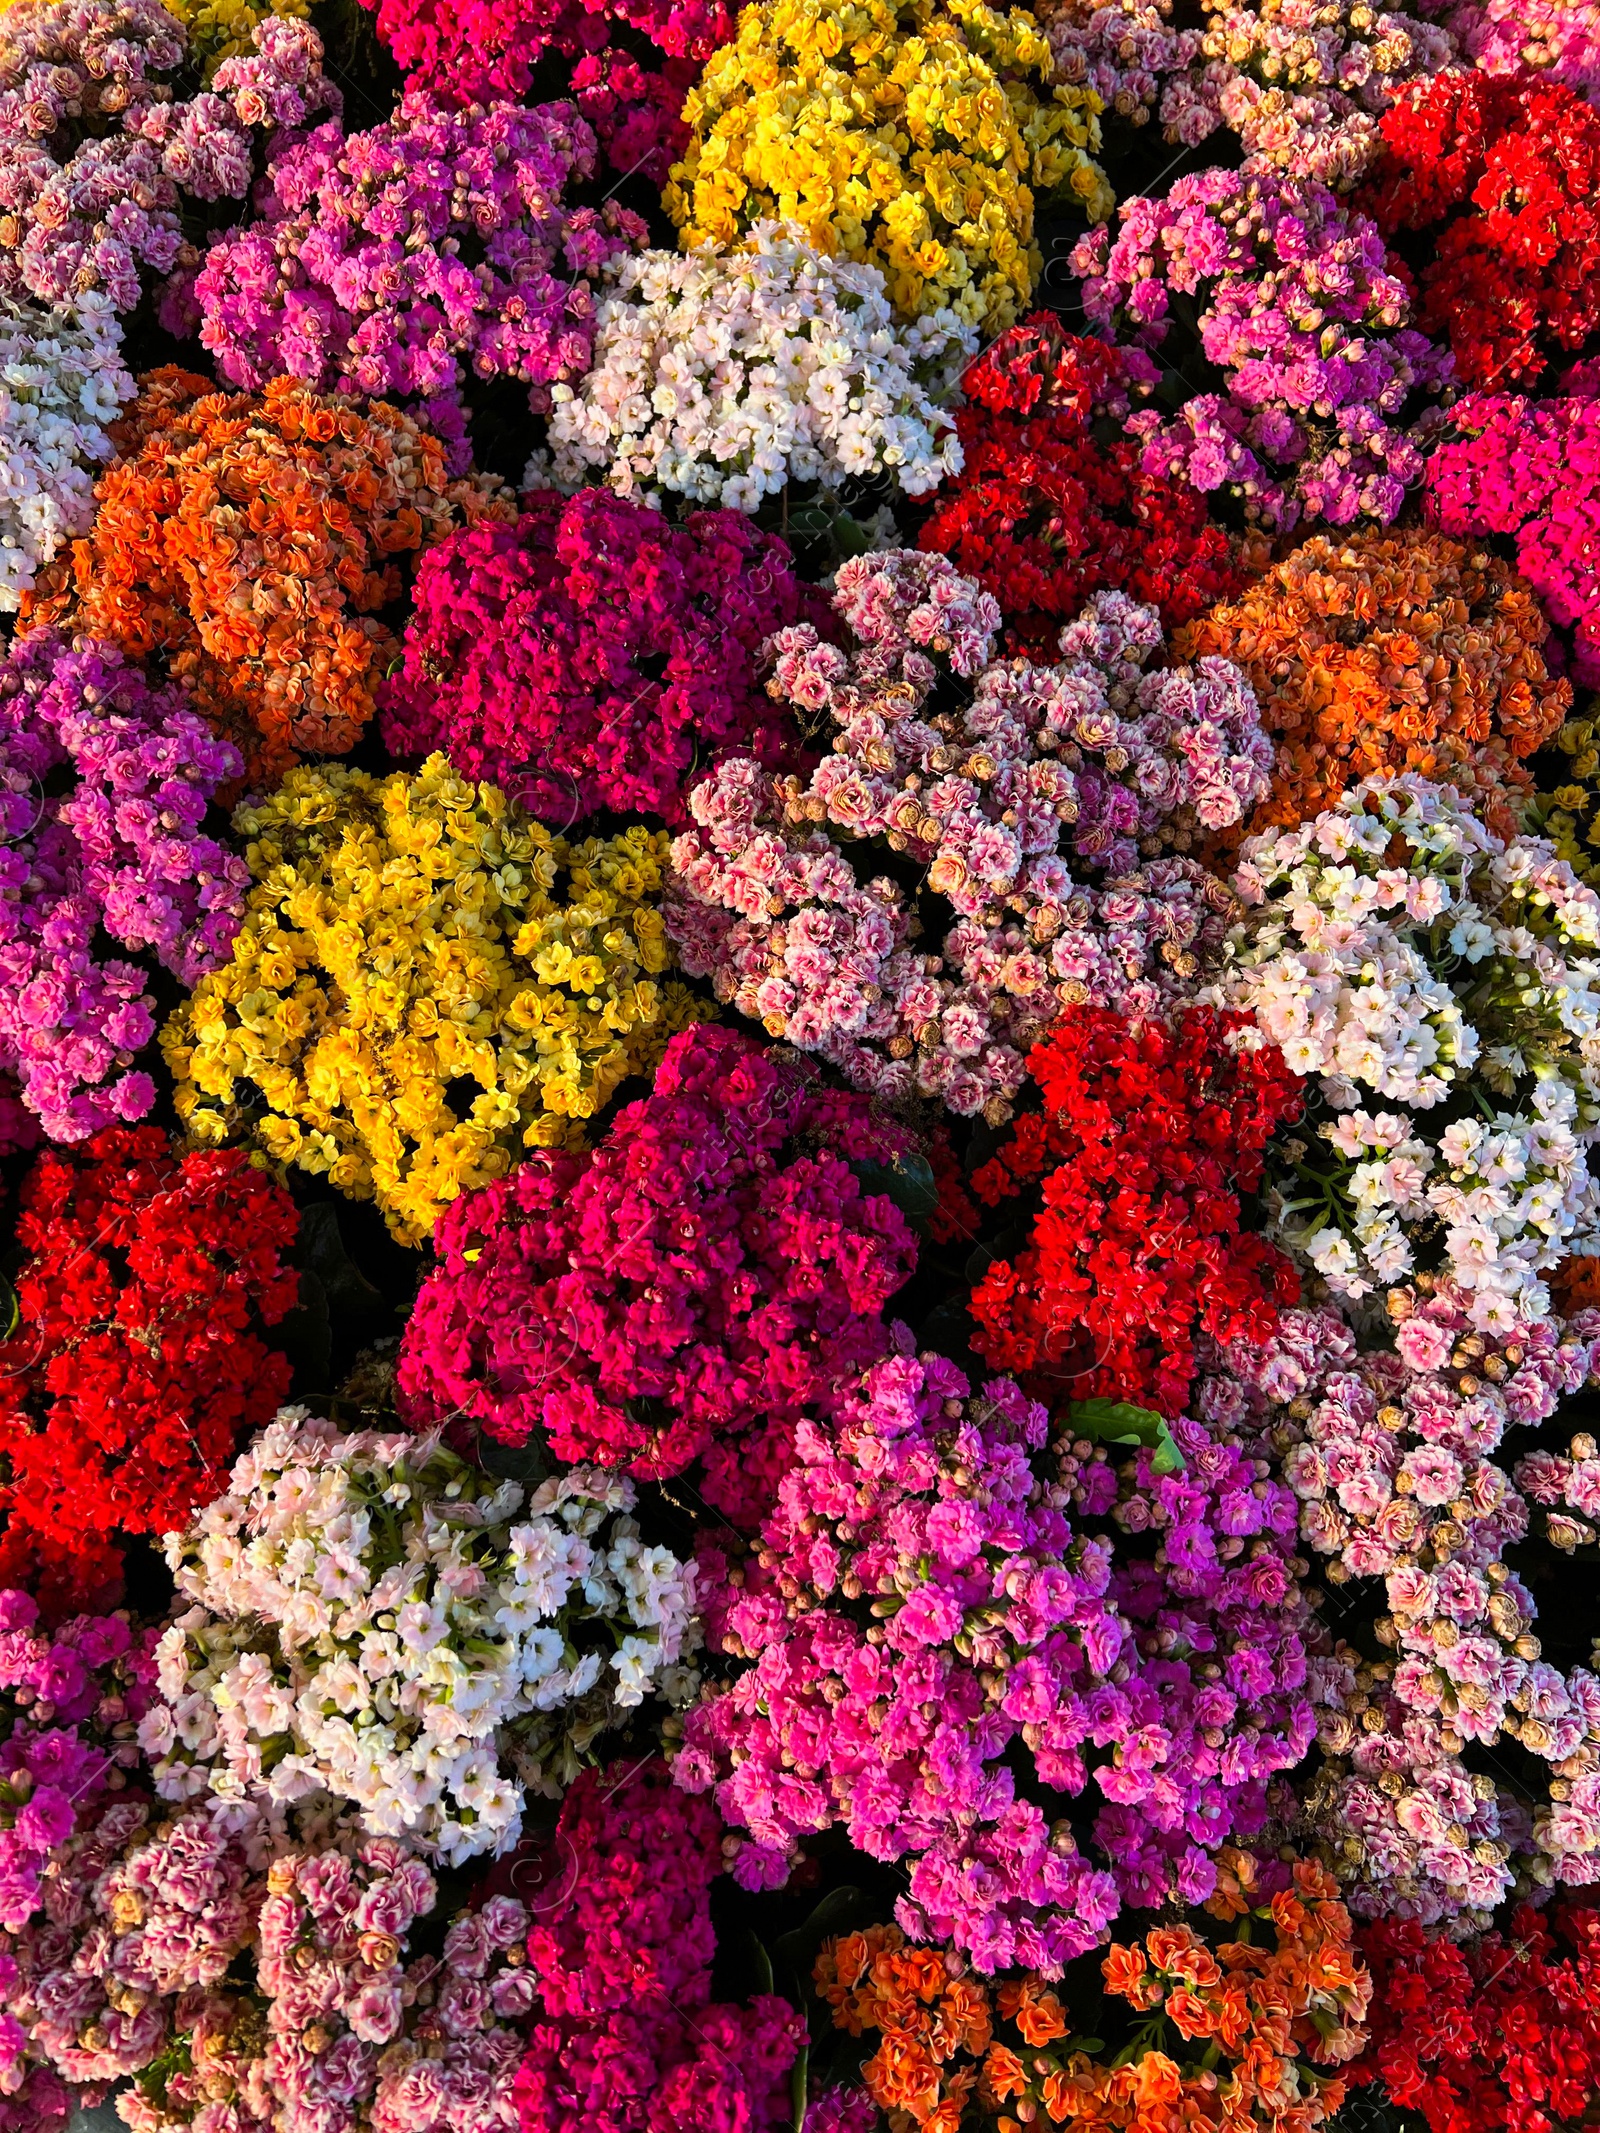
(1397, 946)
(62, 381)
(365, 1623)
(722, 376)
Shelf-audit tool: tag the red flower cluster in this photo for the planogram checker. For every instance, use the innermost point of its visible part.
(1501, 2034)
(134, 1367)
(1045, 514)
(1145, 1133)
(1503, 172)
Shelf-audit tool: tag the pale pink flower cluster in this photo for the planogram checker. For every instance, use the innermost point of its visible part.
(988, 797)
(369, 1616)
(1566, 1485)
(1393, 1455)
(1394, 944)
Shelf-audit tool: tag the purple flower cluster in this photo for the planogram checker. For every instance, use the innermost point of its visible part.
(1094, 762)
(921, 1612)
(621, 1949)
(1531, 469)
(590, 654)
(709, 1270)
(1392, 1455)
(104, 782)
(352, 276)
(96, 157)
(69, 1707)
(1297, 306)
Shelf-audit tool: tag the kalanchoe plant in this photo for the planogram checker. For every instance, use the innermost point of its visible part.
(369, 1617)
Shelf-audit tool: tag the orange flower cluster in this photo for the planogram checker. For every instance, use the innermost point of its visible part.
(1263, 2020)
(252, 539)
(1390, 651)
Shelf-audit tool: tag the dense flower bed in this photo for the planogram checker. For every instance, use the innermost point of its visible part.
(799, 1066)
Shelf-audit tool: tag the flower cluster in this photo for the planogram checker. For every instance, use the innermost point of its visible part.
(103, 787)
(1558, 39)
(135, 1362)
(712, 1269)
(484, 49)
(916, 145)
(366, 1615)
(1303, 83)
(1146, 1138)
(1396, 945)
(69, 1702)
(250, 542)
(720, 376)
(991, 1629)
(621, 1951)
(1094, 760)
(1499, 176)
(405, 936)
(97, 160)
(1392, 1454)
(1277, 2016)
(591, 654)
(337, 2028)
(220, 29)
(1501, 2037)
(352, 276)
(1391, 652)
(62, 380)
(1530, 469)
(1296, 305)
(1045, 513)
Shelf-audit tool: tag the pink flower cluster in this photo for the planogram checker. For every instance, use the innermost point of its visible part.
(621, 1949)
(1298, 307)
(96, 157)
(709, 1270)
(1566, 1485)
(476, 50)
(1393, 1457)
(104, 783)
(69, 1706)
(991, 1630)
(1531, 469)
(380, 262)
(590, 655)
(1094, 761)
(634, 1860)
(1556, 38)
(1218, 1699)
(997, 1628)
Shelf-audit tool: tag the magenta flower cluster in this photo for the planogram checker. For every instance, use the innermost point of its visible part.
(1032, 772)
(1531, 469)
(104, 784)
(96, 156)
(473, 51)
(353, 274)
(70, 1702)
(621, 1948)
(592, 655)
(922, 1611)
(1298, 307)
(690, 1285)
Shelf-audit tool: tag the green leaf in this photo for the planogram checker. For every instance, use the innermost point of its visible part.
(796, 1951)
(10, 1310)
(797, 2088)
(908, 1181)
(1120, 1422)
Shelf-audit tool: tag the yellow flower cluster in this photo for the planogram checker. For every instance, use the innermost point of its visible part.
(409, 938)
(907, 133)
(1570, 816)
(220, 29)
